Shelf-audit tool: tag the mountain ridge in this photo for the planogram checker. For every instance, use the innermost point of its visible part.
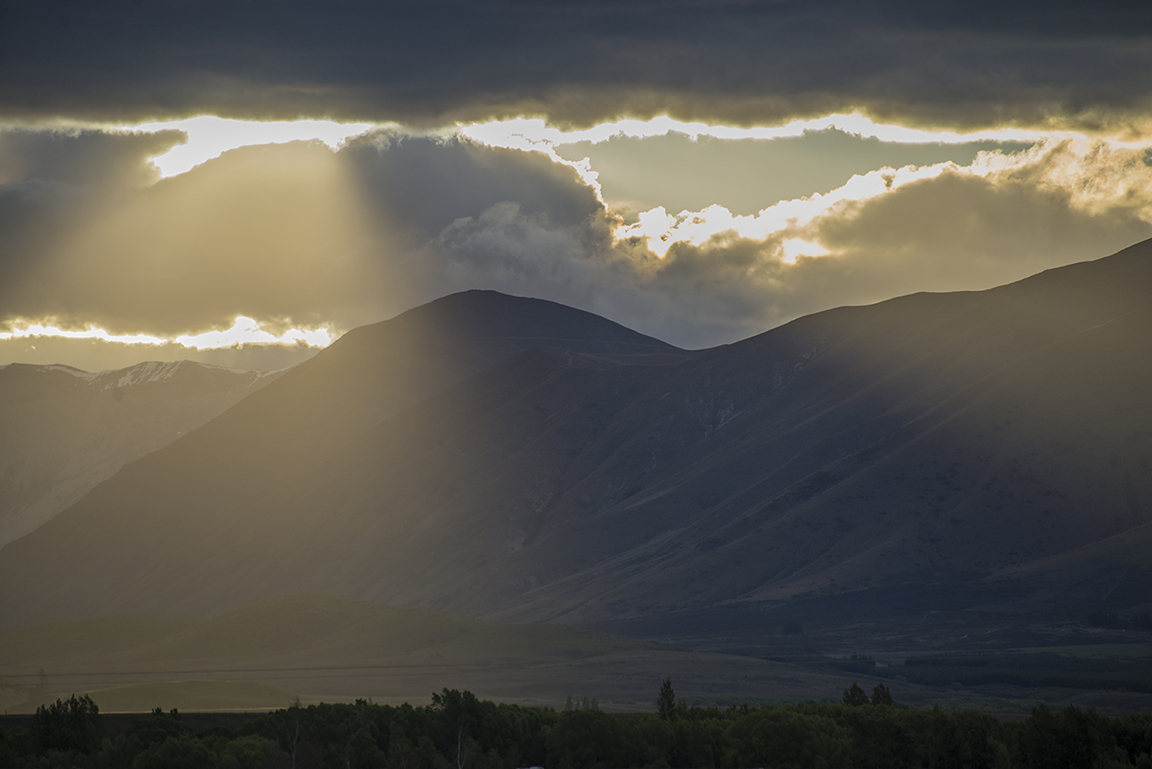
(66, 430)
(922, 449)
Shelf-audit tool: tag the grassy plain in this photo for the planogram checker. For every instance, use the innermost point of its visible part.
(318, 647)
(324, 648)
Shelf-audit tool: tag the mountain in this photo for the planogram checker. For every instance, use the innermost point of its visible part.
(225, 495)
(66, 430)
(980, 454)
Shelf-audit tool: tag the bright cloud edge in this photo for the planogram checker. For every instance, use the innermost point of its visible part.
(244, 331)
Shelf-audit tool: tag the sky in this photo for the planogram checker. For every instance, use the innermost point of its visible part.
(241, 182)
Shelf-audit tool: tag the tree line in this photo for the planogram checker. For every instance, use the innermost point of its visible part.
(459, 731)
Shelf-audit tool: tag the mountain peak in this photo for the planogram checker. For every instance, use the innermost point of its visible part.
(480, 314)
(472, 455)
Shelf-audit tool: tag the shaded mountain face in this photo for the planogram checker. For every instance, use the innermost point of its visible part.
(66, 430)
(974, 451)
(231, 489)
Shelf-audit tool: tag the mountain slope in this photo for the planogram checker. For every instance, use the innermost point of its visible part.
(923, 444)
(929, 451)
(66, 430)
(206, 505)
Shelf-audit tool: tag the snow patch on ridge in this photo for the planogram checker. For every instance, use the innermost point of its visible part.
(159, 371)
(149, 371)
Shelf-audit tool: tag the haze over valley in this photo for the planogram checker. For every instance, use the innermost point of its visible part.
(66, 430)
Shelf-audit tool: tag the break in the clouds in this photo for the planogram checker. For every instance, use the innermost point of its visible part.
(303, 238)
(208, 137)
(750, 62)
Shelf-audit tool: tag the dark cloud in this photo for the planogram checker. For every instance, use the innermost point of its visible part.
(432, 182)
(975, 63)
(51, 184)
(82, 157)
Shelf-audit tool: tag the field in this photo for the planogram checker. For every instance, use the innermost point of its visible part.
(320, 648)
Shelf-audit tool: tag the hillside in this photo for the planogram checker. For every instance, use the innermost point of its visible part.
(981, 454)
(225, 491)
(66, 430)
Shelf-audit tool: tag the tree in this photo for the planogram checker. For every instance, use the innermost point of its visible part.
(855, 696)
(292, 733)
(666, 700)
(68, 725)
(881, 695)
(182, 752)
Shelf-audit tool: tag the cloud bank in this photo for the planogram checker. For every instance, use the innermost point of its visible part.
(745, 62)
(303, 236)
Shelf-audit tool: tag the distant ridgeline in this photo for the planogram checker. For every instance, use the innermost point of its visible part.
(976, 455)
(458, 730)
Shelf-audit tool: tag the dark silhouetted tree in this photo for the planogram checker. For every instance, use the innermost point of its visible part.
(881, 695)
(855, 696)
(666, 700)
(68, 725)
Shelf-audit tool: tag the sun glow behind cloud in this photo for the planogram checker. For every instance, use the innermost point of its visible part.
(787, 232)
(248, 331)
(209, 137)
(797, 247)
(659, 229)
(244, 331)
